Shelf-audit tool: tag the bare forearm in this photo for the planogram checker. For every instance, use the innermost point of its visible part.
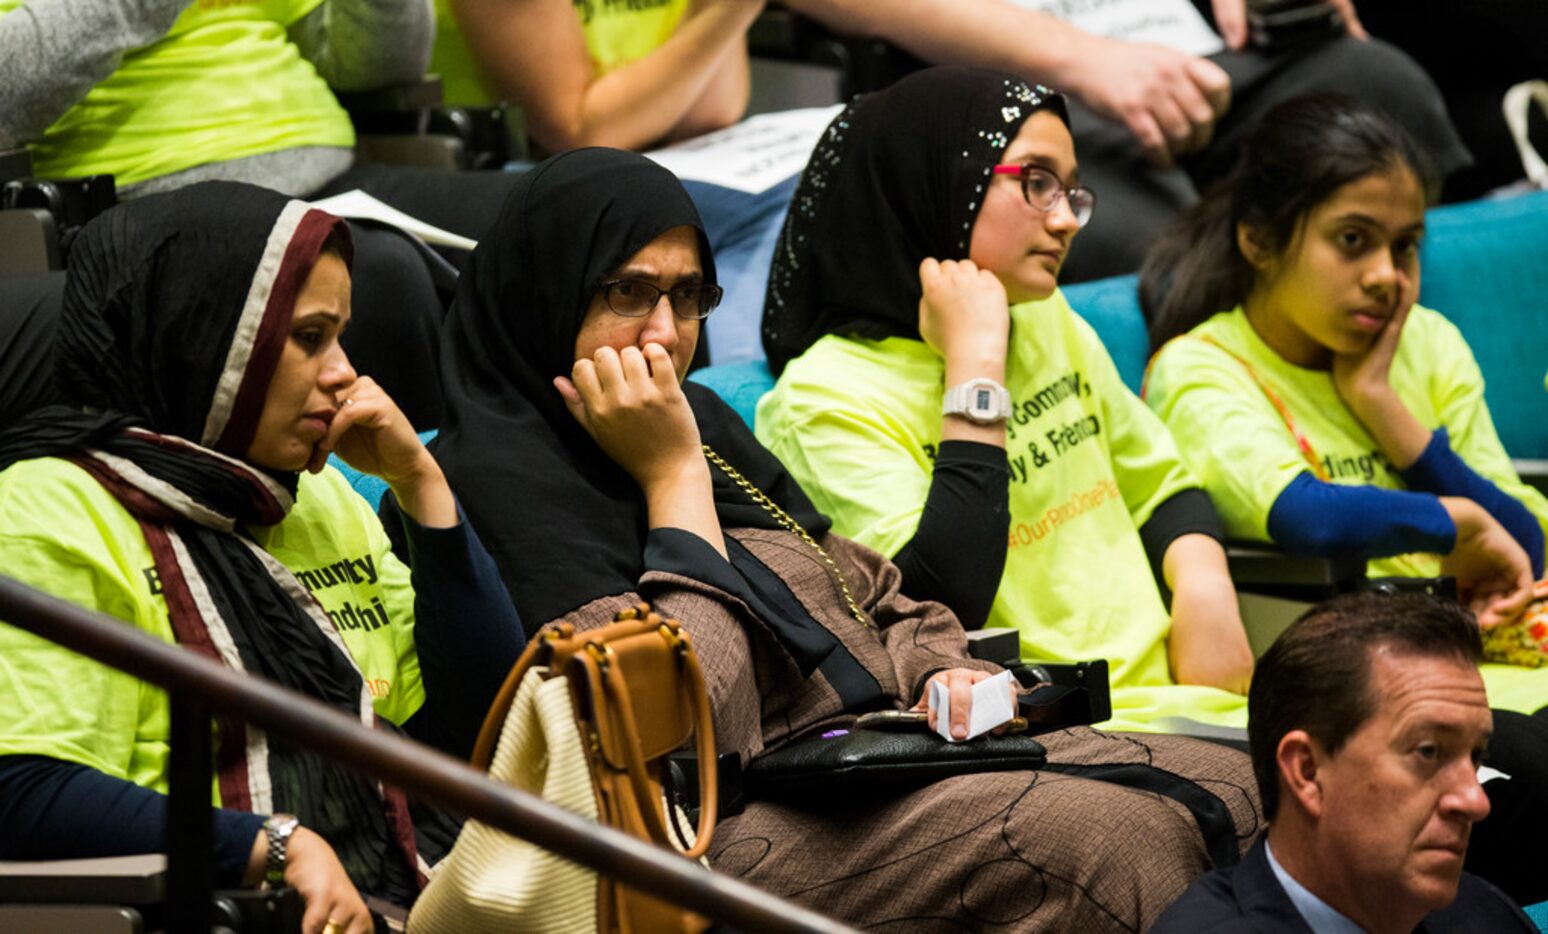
(639, 104)
(990, 33)
(1401, 436)
(427, 497)
(723, 100)
(566, 104)
(1207, 644)
(684, 499)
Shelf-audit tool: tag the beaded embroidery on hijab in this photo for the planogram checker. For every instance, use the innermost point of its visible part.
(898, 176)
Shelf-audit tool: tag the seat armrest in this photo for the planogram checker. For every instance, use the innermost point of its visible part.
(408, 124)
(15, 164)
(1263, 568)
(29, 242)
(1000, 645)
(783, 35)
(122, 880)
(1534, 473)
(394, 99)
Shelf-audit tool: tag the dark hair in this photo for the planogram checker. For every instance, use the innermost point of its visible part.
(1297, 156)
(1316, 675)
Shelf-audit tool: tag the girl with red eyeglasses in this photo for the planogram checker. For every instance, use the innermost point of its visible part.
(941, 401)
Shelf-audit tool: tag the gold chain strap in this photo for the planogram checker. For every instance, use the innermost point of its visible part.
(784, 519)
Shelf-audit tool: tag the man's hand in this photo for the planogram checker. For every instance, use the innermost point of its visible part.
(1231, 20)
(1168, 99)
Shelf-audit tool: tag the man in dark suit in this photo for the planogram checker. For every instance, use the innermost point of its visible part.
(1367, 721)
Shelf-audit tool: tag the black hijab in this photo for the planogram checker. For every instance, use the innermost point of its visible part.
(898, 177)
(565, 524)
(175, 313)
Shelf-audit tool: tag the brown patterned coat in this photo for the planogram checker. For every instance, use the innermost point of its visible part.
(1015, 851)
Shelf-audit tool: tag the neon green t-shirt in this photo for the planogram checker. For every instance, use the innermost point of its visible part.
(1238, 445)
(62, 532)
(857, 422)
(224, 83)
(617, 32)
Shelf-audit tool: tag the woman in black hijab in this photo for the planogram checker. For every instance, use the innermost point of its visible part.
(598, 478)
(181, 487)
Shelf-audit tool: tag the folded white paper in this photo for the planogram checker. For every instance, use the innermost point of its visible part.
(992, 706)
(751, 156)
(358, 205)
(1175, 24)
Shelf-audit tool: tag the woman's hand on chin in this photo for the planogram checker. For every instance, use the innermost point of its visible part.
(1363, 381)
(964, 316)
(371, 434)
(1359, 376)
(630, 402)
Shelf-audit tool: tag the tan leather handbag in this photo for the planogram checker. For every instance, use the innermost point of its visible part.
(587, 721)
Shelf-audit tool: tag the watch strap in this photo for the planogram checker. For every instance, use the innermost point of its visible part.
(962, 400)
(278, 828)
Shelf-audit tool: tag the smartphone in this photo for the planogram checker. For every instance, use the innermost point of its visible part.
(893, 720)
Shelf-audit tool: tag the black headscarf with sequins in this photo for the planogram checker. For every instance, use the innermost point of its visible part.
(897, 177)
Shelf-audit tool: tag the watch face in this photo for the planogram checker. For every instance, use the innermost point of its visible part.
(983, 400)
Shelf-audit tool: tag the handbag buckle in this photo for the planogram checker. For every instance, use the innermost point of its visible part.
(603, 654)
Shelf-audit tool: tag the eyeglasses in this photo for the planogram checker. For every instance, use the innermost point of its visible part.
(632, 298)
(1043, 189)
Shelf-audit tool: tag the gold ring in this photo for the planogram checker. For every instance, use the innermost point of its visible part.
(333, 927)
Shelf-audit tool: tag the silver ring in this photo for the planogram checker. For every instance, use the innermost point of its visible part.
(349, 401)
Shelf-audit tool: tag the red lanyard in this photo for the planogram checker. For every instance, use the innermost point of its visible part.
(1301, 440)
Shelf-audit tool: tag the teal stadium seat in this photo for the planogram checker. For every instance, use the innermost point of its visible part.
(1486, 268)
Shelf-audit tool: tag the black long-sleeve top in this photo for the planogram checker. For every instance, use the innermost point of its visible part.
(957, 554)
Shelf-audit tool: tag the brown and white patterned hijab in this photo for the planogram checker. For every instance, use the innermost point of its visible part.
(176, 310)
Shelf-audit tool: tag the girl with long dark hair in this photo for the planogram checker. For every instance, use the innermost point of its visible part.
(1322, 407)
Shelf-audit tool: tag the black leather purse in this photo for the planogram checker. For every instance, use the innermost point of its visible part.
(857, 759)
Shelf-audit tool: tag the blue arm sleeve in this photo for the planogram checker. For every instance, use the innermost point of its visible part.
(466, 631)
(1440, 471)
(1315, 518)
(52, 809)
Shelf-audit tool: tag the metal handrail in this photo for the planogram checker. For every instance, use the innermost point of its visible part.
(426, 773)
